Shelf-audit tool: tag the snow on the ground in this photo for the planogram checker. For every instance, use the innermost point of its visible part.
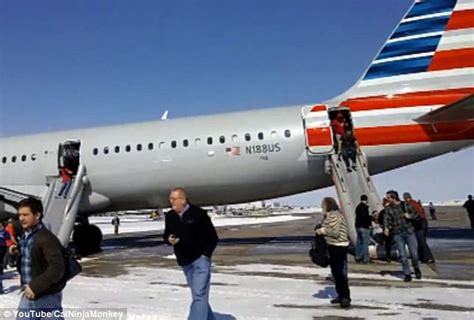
(235, 294)
(141, 223)
(298, 211)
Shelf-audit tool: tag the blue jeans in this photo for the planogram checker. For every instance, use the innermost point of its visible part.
(198, 277)
(3, 250)
(65, 189)
(362, 246)
(47, 303)
(408, 239)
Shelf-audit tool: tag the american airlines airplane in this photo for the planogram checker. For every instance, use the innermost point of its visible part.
(414, 102)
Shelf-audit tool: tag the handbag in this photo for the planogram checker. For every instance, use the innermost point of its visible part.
(319, 251)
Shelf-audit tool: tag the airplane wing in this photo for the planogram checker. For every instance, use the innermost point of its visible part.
(460, 110)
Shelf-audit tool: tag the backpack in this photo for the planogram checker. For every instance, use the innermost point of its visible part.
(319, 251)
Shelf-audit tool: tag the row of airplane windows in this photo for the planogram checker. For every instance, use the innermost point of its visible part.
(185, 142)
(173, 144)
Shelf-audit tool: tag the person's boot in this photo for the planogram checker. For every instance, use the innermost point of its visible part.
(336, 300)
(407, 278)
(417, 273)
(345, 303)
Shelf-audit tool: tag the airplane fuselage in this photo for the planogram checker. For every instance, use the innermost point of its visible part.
(253, 155)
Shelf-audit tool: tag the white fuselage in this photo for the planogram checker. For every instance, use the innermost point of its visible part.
(268, 166)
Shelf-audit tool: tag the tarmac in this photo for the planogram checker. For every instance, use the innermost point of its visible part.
(288, 244)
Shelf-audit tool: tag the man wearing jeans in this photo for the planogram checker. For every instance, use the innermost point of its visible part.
(397, 222)
(41, 264)
(363, 222)
(193, 237)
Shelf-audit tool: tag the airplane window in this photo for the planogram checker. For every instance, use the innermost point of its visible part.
(139, 147)
(247, 137)
(4, 159)
(274, 134)
(260, 135)
(106, 150)
(235, 138)
(209, 140)
(95, 151)
(162, 145)
(117, 149)
(150, 146)
(287, 133)
(128, 148)
(197, 141)
(185, 143)
(222, 139)
(33, 157)
(173, 144)
(14, 159)
(23, 158)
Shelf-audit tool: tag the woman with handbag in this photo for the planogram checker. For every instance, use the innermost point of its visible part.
(334, 230)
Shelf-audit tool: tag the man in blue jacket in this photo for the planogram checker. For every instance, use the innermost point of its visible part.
(193, 237)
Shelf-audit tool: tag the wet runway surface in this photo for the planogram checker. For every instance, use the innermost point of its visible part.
(287, 244)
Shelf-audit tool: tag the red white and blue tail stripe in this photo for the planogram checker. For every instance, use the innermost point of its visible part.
(426, 64)
(431, 49)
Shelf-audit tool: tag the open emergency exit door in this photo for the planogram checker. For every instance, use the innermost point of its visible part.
(319, 136)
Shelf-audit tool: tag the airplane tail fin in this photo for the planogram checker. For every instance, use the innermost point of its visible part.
(431, 51)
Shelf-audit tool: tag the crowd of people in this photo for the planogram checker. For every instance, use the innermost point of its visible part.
(402, 222)
(40, 260)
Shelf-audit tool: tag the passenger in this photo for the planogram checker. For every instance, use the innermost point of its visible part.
(71, 158)
(41, 264)
(363, 222)
(193, 237)
(387, 240)
(116, 223)
(339, 128)
(350, 147)
(66, 177)
(396, 222)
(432, 210)
(4, 237)
(377, 230)
(9, 259)
(334, 229)
(421, 230)
(469, 206)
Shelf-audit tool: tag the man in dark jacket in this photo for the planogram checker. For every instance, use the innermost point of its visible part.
(41, 264)
(397, 219)
(193, 237)
(363, 222)
(469, 206)
(421, 230)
